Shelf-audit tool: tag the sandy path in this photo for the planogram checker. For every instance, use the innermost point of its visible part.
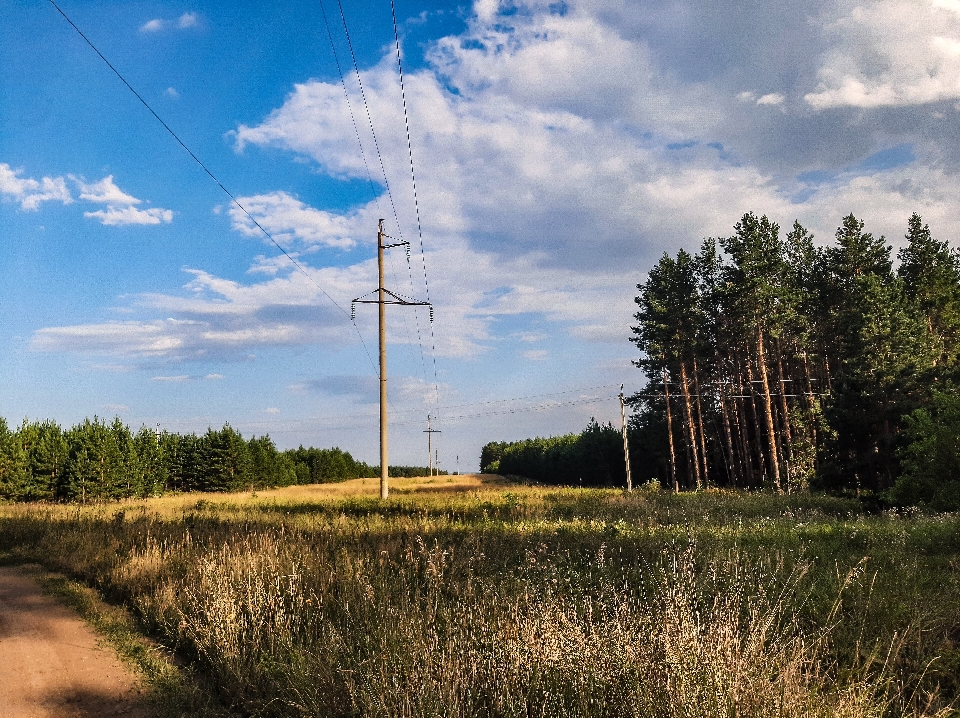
(50, 663)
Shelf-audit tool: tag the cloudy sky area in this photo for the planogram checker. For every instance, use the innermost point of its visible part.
(559, 150)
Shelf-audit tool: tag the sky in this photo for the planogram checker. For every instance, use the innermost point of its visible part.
(557, 150)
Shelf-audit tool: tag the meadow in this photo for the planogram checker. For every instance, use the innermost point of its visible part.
(476, 596)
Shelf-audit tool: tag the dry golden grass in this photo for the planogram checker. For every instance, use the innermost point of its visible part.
(320, 493)
(472, 596)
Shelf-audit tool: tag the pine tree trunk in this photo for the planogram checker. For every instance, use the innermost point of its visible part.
(740, 409)
(691, 435)
(732, 468)
(768, 410)
(703, 438)
(673, 457)
(758, 432)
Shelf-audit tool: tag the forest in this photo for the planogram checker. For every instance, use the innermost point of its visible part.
(97, 461)
(773, 361)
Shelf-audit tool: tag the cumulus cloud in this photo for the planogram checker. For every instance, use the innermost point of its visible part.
(885, 54)
(289, 221)
(188, 19)
(121, 207)
(104, 192)
(30, 192)
(121, 216)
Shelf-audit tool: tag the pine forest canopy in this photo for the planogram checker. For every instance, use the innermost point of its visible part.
(771, 361)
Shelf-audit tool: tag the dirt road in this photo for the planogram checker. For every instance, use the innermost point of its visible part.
(51, 663)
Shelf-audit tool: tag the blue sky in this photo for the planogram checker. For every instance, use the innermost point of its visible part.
(559, 149)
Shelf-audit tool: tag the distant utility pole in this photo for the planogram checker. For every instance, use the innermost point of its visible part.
(626, 446)
(382, 300)
(430, 432)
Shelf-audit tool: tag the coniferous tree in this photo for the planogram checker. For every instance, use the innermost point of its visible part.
(14, 464)
(930, 272)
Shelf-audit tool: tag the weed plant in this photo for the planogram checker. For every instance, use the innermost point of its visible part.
(500, 600)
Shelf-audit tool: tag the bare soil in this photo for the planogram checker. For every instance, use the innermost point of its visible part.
(51, 662)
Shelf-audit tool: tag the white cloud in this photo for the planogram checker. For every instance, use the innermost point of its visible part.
(122, 216)
(536, 355)
(30, 192)
(154, 25)
(187, 20)
(104, 192)
(774, 98)
(172, 92)
(177, 378)
(121, 207)
(272, 410)
(218, 318)
(288, 220)
(213, 377)
(895, 53)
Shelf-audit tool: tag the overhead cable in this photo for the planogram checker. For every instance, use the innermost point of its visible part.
(209, 173)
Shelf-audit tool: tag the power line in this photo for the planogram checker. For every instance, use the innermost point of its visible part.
(419, 422)
(416, 202)
(366, 106)
(346, 94)
(209, 173)
(376, 144)
(417, 412)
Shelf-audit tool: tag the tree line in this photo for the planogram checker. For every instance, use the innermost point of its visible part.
(100, 461)
(773, 361)
(594, 457)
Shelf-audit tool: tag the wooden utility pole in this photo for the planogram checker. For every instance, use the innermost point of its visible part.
(382, 300)
(626, 446)
(430, 432)
(382, 325)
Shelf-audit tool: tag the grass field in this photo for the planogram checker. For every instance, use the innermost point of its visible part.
(471, 596)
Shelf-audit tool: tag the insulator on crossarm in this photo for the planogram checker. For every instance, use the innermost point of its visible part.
(408, 252)
(431, 314)
(353, 312)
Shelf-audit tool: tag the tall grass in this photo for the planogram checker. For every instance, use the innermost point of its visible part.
(523, 602)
